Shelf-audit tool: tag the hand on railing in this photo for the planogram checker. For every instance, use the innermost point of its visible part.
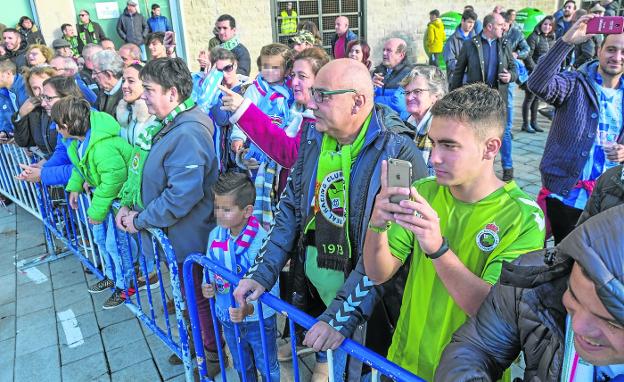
(29, 173)
(73, 199)
(208, 290)
(322, 337)
(237, 315)
(248, 290)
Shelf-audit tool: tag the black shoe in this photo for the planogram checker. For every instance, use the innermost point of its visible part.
(527, 128)
(547, 112)
(536, 127)
(507, 174)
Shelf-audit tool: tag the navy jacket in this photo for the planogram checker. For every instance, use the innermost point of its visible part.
(158, 24)
(382, 141)
(575, 122)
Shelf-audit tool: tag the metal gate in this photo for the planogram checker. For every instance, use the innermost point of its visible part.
(323, 13)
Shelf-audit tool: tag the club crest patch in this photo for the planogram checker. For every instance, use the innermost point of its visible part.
(487, 238)
(329, 198)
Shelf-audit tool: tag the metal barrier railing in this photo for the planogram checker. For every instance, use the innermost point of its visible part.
(68, 231)
(352, 348)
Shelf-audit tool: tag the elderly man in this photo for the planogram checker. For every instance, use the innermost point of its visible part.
(178, 159)
(15, 47)
(488, 58)
(67, 67)
(225, 28)
(130, 54)
(132, 26)
(564, 309)
(342, 37)
(388, 75)
(107, 71)
(347, 124)
(62, 48)
(88, 51)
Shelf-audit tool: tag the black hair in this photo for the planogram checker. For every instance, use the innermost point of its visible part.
(229, 18)
(435, 13)
(160, 36)
(237, 184)
(469, 15)
(64, 26)
(169, 73)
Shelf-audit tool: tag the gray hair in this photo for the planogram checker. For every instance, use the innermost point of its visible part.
(68, 63)
(89, 50)
(109, 61)
(434, 76)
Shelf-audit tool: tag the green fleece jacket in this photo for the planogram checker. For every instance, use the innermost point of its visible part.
(103, 166)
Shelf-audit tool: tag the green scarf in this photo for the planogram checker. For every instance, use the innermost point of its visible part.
(73, 43)
(330, 220)
(230, 44)
(91, 30)
(130, 193)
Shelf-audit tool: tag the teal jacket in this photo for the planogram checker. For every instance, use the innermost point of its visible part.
(103, 166)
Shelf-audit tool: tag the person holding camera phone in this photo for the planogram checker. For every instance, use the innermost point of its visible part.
(456, 228)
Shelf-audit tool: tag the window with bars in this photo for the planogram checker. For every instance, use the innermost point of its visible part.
(322, 13)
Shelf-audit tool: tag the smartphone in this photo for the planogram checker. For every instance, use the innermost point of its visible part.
(606, 25)
(399, 175)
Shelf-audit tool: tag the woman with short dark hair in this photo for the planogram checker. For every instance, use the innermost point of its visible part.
(29, 31)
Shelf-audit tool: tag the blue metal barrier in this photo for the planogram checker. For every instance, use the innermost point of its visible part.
(67, 231)
(351, 347)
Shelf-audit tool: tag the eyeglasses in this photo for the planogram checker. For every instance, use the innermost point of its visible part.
(95, 72)
(82, 14)
(45, 98)
(227, 68)
(415, 92)
(320, 96)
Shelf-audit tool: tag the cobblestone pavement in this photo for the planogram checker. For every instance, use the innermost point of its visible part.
(40, 306)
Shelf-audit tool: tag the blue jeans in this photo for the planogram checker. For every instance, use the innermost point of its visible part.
(251, 346)
(506, 160)
(340, 362)
(117, 258)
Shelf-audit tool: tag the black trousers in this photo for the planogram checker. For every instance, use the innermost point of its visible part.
(562, 218)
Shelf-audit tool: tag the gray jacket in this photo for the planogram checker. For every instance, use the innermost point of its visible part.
(132, 28)
(452, 47)
(524, 312)
(182, 168)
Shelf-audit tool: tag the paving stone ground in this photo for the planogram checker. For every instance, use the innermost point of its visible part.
(114, 345)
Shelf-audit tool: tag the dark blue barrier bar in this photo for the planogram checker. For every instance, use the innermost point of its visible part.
(354, 349)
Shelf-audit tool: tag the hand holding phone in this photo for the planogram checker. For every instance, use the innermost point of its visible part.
(605, 25)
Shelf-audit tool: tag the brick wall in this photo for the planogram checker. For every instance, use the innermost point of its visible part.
(408, 19)
(253, 24)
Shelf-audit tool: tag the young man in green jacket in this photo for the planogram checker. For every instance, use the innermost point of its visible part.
(100, 157)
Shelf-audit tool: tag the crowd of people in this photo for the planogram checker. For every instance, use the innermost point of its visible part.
(283, 178)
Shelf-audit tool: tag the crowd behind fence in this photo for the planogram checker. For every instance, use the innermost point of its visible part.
(67, 232)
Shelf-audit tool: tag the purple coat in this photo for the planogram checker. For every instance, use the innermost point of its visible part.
(575, 123)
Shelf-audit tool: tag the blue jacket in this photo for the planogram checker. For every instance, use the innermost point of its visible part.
(158, 24)
(574, 125)
(57, 170)
(350, 37)
(10, 102)
(391, 94)
(385, 138)
(87, 92)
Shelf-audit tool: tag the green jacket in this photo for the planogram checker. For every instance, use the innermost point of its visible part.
(103, 166)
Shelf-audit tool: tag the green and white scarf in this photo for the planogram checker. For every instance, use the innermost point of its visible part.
(83, 36)
(330, 220)
(230, 44)
(130, 193)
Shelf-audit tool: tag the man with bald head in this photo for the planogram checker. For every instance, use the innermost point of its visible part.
(130, 54)
(325, 208)
(67, 67)
(341, 39)
(388, 75)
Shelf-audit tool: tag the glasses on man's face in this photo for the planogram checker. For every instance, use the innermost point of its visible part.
(320, 95)
(416, 92)
(45, 98)
(82, 14)
(95, 73)
(226, 68)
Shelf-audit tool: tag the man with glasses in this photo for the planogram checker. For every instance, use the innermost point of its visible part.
(325, 208)
(107, 72)
(455, 230)
(488, 58)
(89, 32)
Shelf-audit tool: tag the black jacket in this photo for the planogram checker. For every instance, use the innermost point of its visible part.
(108, 103)
(32, 36)
(84, 37)
(18, 57)
(539, 43)
(472, 63)
(608, 193)
(34, 130)
(586, 51)
(524, 311)
(243, 58)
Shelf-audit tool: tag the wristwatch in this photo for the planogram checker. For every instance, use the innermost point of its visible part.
(443, 249)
